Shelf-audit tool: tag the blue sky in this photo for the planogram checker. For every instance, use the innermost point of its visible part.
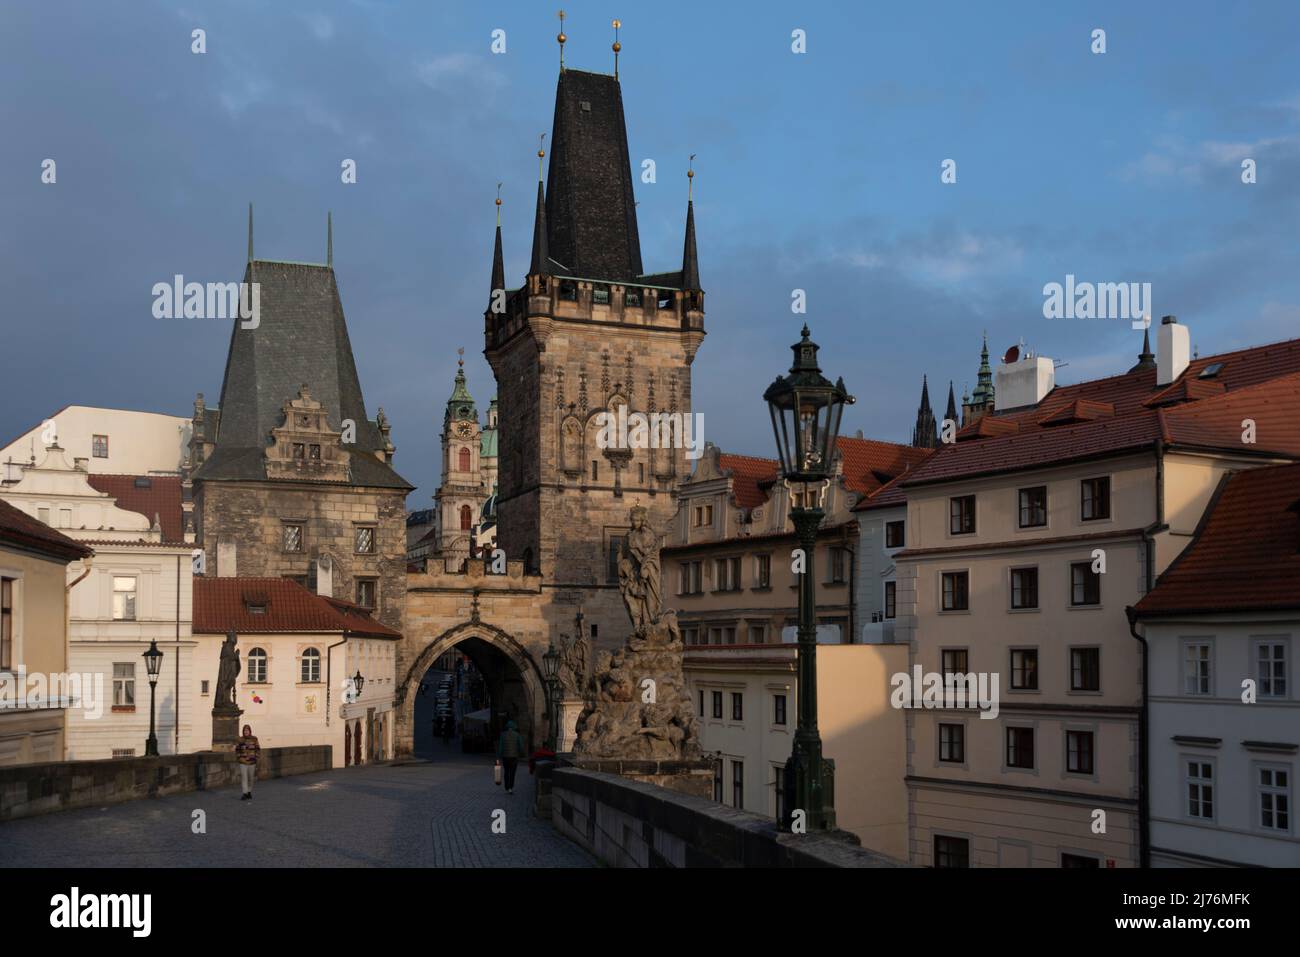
(818, 171)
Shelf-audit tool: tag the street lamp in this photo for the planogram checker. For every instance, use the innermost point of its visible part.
(550, 671)
(357, 682)
(153, 665)
(806, 408)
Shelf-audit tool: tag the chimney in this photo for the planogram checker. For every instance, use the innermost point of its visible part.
(1023, 382)
(325, 576)
(1173, 350)
(226, 560)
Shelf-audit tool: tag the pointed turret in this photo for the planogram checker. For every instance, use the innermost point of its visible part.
(460, 405)
(498, 268)
(690, 259)
(925, 435)
(1146, 358)
(951, 412)
(541, 264)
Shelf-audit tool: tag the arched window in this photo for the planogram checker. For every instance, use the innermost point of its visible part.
(311, 667)
(464, 460)
(257, 666)
(466, 516)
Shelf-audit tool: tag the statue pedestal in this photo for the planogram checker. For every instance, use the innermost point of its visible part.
(570, 709)
(684, 777)
(225, 727)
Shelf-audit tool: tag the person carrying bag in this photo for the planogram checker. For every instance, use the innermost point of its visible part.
(510, 748)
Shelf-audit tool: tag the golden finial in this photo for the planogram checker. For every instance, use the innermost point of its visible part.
(617, 46)
(690, 178)
(498, 204)
(460, 363)
(541, 155)
(560, 38)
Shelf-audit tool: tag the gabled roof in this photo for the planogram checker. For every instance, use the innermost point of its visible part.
(222, 605)
(20, 530)
(161, 496)
(590, 209)
(748, 476)
(1068, 425)
(1245, 555)
(869, 464)
(301, 338)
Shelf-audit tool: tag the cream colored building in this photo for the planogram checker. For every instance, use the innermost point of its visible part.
(35, 562)
(748, 705)
(299, 653)
(1026, 540)
(112, 441)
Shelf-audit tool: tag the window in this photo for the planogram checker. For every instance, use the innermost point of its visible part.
(366, 588)
(466, 518)
(1079, 860)
(1270, 663)
(599, 294)
(737, 706)
(737, 784)
(757, 633)
(1033, 506)
(717, 781)
(891, 599)
(894, 534)
(299, 451)
(1196, 667)
(1094, 495)
(1200, 789)
(726, 574)
(292, 537)
(463, 460)
(952, 743)
(1274, 798)
(124, 752)
(365, 539)
(124, 684)
(123, 599)
(1020, 747)
(611, 563)
(951, 851)
(595, 471)
(762, 571)
(313, 452)
(778, 709)
(837, 565)
(7, 588)
(703, 515)
(1078, 752)
(99, 446)
(1085, 584)
(956, 591)
(311, 667)
(692, 580)
(722, 635)
(954, 661)
(65, 518)
(717, 705)
(44, 515)
(203, 687)
(257, 666)
(961, 515)
(700, 710)
(779, 774)
(1024, 588)
(1085, 669)
(1024, 669)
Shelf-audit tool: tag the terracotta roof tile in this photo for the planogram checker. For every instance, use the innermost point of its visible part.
(222, 605)
(1245, 555)
(748, 473)
(161, 497)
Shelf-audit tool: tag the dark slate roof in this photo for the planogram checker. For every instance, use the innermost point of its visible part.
(690, 255)
(302, 337)
(590, 210)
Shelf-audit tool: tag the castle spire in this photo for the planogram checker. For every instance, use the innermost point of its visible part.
(540, 265)
(498, 264)
(951, 412)
(925, 435)
(690, 257)
(1146, 359)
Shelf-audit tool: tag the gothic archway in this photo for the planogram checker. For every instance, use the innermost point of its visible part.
(519, 685)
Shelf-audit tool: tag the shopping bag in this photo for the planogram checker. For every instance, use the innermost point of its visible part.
(496, 773)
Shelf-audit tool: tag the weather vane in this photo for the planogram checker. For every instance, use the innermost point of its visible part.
(498, 204)
(560, 38)
(541, 153)
(690, 177)
(617, 46)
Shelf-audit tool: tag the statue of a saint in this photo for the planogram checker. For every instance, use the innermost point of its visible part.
(638, 572)
(227, 672)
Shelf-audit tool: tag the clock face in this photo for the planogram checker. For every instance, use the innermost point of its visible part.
(464, 430)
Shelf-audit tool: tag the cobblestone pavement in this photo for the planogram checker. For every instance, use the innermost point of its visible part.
(422, 814)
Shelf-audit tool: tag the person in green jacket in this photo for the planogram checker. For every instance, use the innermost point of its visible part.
(510, 748)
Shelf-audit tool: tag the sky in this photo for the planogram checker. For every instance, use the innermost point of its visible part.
(818, 171)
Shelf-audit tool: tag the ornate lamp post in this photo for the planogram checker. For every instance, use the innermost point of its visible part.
(153, 665)
(806, 407)
(357, 683)
(550, 670)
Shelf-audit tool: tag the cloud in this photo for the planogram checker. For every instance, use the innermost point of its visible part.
(322, 27)
(451, 71)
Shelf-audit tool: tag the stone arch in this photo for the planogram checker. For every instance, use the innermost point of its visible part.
(528, 667)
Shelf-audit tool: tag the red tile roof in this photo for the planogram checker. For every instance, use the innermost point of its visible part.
(222, 605)
(1245, 555)
(162, 497)
(869, 464)
(748, 473)
(1259, 383)
(20, 530)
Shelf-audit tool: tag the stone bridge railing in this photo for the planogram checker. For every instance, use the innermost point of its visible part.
(628, 823)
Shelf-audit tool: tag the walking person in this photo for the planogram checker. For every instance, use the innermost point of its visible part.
(510, 748)
(246, 750)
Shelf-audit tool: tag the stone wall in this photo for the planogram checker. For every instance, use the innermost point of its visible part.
(631, 824)
(252, 515)
(30, 789)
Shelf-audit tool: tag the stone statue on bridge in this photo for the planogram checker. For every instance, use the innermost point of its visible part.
(637, 703)
(225, 709)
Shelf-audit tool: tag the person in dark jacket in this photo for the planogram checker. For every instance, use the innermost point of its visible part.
(246, 751)
(510, 748)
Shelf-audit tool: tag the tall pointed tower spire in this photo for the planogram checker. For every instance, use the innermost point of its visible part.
(540, 265)
(982, 397)
(951, 411)
(690, 258)
(1146, 358)
(498, 264)
(925, 435)
(329, 239)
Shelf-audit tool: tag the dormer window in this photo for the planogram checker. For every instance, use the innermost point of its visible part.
(1210, 371)
(299, 451)
(255, 608)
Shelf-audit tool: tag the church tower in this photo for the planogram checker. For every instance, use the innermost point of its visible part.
(926, 434)
(461, 493)
(588, 332)
(980, 401)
